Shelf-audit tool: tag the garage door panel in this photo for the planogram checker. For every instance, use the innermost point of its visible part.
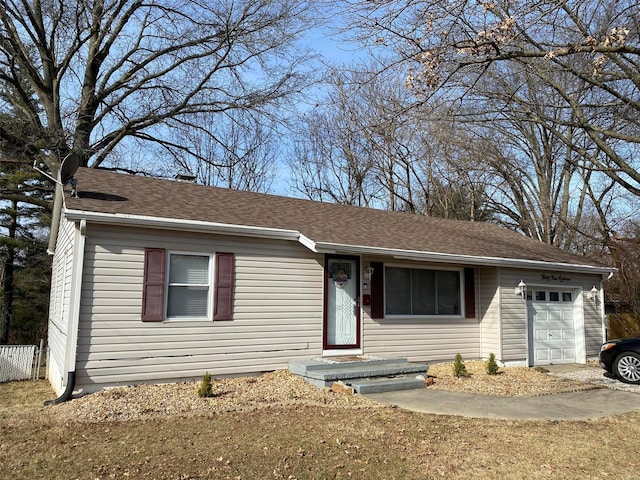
(541, 334)
(556, 316)
(555, 335)
(556, 355)
(542, 355)
(553, 328)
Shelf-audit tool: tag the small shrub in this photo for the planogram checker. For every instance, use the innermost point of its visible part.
(459, 368)
(492, 366)
(206, 387)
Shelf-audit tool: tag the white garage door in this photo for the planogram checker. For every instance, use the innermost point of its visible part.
(551, 318)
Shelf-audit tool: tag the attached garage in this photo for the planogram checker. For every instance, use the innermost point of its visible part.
(542, 318)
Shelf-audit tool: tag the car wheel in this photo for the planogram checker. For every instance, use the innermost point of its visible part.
(627, 367)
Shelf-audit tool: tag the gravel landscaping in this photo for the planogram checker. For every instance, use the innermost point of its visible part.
(230, 394)
(282, 388)
(509, 381)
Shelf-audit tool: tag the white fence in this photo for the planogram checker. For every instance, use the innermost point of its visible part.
(19, 362)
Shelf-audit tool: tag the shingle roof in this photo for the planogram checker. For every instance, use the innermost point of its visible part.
(105, 192)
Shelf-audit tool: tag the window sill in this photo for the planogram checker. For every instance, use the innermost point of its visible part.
(187, 319)
(424, 317)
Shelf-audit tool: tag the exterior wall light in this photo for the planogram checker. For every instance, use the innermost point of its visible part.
(593, 294)
(521, 289)
(368, 271)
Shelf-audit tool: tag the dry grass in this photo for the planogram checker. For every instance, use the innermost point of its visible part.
(269, 437)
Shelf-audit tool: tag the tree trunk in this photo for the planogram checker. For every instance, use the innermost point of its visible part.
(7, 281)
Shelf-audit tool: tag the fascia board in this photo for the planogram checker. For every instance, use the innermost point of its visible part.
(182, 225)
(325, 247)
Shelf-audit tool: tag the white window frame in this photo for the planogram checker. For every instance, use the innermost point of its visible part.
(461, 286)
(209, 285)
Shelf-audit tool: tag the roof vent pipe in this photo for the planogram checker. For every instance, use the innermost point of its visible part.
(185, 177)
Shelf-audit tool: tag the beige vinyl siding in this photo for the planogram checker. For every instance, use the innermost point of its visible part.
(513, 316)
(277, 311)
(593, 321)
(59, 303)
(489, 311)
(421, 339)
(514, 322)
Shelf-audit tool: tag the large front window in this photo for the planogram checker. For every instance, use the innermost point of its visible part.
(421, 292)
(189, 286)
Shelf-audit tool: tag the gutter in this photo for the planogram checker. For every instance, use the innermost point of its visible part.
(326, 247)
(74, 314)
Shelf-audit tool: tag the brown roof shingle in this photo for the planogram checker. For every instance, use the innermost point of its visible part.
(112, 193)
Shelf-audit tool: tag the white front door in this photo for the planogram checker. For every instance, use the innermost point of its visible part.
(342, 325)
(552, 319)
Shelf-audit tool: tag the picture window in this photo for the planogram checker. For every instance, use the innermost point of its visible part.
(422, 292)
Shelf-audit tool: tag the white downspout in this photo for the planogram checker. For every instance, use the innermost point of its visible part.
(74, 314)
(78, 269)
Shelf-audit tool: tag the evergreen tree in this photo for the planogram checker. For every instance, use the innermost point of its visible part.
(25, 204)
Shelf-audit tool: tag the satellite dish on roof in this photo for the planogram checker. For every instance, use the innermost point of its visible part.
(67, 170)
(68, 167)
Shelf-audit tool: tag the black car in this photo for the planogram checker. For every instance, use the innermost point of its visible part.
(621, 357)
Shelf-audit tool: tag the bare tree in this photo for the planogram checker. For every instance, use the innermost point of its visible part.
(234, 150)
(333, 158)
(326, 163)
(449, 46)
(103, 73)
(366, 145)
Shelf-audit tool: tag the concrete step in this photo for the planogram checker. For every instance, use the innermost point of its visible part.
(323, 373)
(303, 366)
(385, 384)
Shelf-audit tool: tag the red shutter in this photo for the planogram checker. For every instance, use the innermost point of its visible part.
(377, 290)
(223, 288)
(153, 286)
(469, 293)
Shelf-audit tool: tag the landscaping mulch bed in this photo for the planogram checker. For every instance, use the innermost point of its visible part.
(282, 388)
(510, 381)
(277, 388)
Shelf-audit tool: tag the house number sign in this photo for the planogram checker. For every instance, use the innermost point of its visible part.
(555, 278)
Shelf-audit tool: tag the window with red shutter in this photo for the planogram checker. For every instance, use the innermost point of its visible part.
(185, 283)
(153, 285)
(377, 290)
(223, 287)
(469, 293)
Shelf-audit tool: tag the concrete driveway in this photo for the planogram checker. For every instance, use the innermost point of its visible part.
(590, 374)
(615, 399)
